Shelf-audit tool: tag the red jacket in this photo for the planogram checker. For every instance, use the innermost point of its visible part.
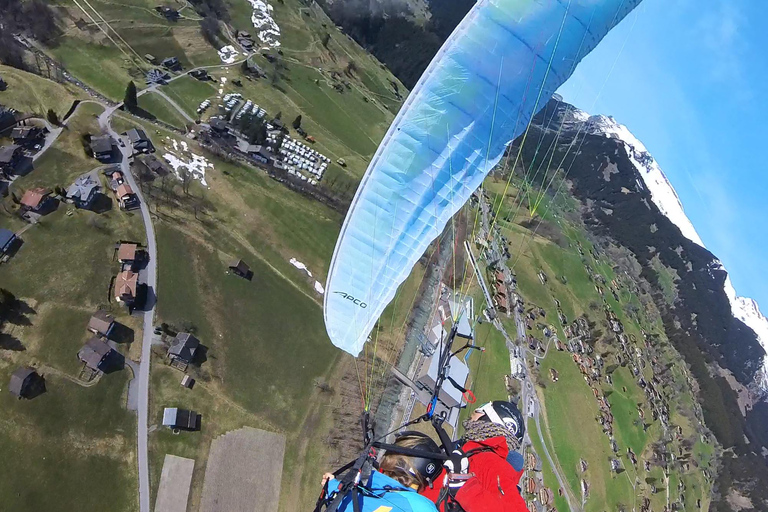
(494, 487)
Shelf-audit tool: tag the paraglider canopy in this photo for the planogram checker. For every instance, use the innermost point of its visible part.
(498, 68)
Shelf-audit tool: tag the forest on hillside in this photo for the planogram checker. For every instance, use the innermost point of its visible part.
(389, 31)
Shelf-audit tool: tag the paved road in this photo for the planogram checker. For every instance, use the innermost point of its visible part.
(150, 278)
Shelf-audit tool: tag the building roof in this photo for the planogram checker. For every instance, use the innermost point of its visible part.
(179, 418)
(101, 144)
(127, 252)
(84, 186)
(458, 371)
(19, 380)
(126, 283)
(136, 135)
(184, 346)
(6, 237)
(124, 190)
(32, 198)
(154, 164)
(240, 266)
(22, 132)
(101, 322)
(94, 352)
(7, 153)
(217, 124)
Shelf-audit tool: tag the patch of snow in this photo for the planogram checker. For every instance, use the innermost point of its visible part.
(299, 265)
(668, 202)
(662, 192)
(267, 29)
(228, 54)
(319, 288)
(179, 156)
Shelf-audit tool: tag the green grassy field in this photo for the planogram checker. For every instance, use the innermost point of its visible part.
(162, 110)
(30, 93)
(189, 93)
(72, 447)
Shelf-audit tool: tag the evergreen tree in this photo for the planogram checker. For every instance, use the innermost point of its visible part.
(297, 122)
(53, 118)
(131, 100)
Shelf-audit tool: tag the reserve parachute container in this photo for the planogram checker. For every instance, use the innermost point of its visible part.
(497, 69)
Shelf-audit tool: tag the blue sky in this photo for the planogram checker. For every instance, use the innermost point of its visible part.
(688, 78)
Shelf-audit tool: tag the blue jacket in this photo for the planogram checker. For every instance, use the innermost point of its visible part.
(387, 495)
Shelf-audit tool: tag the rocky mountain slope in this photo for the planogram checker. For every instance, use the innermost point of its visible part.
(627, 201)
(666, 199)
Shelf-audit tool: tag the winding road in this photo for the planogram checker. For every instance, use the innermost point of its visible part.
(150, 279)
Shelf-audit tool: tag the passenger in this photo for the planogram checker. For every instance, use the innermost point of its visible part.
(396, 485)
(480, 476)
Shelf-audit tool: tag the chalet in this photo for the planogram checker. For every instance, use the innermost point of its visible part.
(240, 268)
(7, 238)
(23, 382)
(171, 64)
(37, 200)
(181, 419)
(155, 165)
(170, 13)
(101, 323)
(126, 197)
(9, 158)
(84, 190)
(218, 125)
(501, 303)
(26, 135)
(126, 285)
(184, 347)
(199, 74)
(140, 141)
(102, 147)
(530, 485)
(546, 497)
(157, 76)
(95, 354)
(7, 118)
(128, 254)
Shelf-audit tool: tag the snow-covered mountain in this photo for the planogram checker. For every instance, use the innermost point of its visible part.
(668, 202)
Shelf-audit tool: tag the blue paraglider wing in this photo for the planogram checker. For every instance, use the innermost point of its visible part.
(502, 64)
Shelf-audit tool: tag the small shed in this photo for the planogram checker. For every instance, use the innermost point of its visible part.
(7, 237)
(184, 347)
(22, 382)
(188, 382)
(181, 419)
(101, 323)
(240, 268)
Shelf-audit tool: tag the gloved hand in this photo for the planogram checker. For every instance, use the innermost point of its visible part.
(457, 471)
